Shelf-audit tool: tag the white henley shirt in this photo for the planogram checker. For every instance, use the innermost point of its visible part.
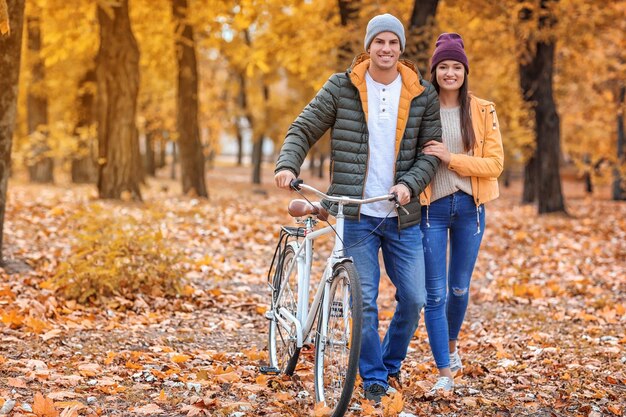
(382, 101)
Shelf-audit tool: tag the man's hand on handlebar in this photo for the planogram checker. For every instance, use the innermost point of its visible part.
(283, 179)
(402, 192)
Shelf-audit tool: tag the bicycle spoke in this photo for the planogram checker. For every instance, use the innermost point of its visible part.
(337, 353)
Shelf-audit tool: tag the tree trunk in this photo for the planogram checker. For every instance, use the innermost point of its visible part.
(549, 197)
(312, 161)
(10, 54)
(619, 189)
(257, 159)
(588, 183)
(40, 164)
(161, 155)
(174, 160)
(211, 160)
(529, 194)
(84, 169)
(536, 81)
(257, 150)
(420, 34)
(243, 104)
(242, 101)
(320, 171)
(239, 146)
(150, 157)
(117, 72)
(191, 152)
(348, 15)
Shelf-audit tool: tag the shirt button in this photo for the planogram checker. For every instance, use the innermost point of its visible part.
(384, 90)
(383, 109)
(383, 99)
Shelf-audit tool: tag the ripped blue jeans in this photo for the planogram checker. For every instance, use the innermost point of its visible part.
(450, 219)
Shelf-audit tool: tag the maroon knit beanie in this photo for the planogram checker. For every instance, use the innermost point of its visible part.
(449, 46)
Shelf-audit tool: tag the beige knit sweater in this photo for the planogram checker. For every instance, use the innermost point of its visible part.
(447, 182)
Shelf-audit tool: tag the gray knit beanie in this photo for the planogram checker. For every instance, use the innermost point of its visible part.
(384, 23)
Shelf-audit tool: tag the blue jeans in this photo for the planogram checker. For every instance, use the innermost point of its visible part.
(451, 218)
(404, 264)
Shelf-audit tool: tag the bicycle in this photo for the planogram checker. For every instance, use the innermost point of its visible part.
(337, 305)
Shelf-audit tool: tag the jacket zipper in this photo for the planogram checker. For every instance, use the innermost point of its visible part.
(367, 164)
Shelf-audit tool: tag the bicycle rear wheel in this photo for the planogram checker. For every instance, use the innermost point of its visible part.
(282, 341)
(338, 340)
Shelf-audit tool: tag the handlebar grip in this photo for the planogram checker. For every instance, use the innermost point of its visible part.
(295, 184)
(394, 198)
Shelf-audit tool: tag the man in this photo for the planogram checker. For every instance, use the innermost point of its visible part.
(381, 113)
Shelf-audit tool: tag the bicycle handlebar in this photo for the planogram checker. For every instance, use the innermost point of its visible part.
(298, 184)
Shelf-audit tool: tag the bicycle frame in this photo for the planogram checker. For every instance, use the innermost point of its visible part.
(304, 259)
(304, 253)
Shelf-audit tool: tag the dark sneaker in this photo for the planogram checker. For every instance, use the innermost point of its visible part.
(394, 380)
(375, 392)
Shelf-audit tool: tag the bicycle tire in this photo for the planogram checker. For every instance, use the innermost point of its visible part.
(282, 342)
(332, 375)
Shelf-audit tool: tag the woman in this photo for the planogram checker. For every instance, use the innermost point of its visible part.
(453, 205)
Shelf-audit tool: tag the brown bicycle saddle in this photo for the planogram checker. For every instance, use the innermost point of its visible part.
(301, 208)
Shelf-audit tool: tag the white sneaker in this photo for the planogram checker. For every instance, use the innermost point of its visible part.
(455, 361)
(444, 384)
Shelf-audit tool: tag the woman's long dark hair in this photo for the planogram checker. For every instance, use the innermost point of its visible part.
(467, 131)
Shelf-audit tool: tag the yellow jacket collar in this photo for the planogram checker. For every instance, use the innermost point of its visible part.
(407, 69)
(411, 88)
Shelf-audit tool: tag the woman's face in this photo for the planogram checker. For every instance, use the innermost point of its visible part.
(450, 75)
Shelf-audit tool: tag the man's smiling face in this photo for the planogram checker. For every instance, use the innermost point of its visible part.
(385, 51)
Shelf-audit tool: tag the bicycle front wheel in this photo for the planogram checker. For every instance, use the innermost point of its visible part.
(338, 340)
(282, 343)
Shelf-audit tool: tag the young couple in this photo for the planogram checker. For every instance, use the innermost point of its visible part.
(439, 149)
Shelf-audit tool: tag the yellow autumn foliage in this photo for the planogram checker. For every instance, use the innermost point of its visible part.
(117, 256)
(289, 48)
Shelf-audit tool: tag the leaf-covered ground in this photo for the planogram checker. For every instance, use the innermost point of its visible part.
(544, 335)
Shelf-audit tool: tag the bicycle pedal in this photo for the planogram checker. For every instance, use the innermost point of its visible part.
(307, 348)
(269, 370)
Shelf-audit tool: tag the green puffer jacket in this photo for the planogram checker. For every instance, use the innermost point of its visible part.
(341, 105)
